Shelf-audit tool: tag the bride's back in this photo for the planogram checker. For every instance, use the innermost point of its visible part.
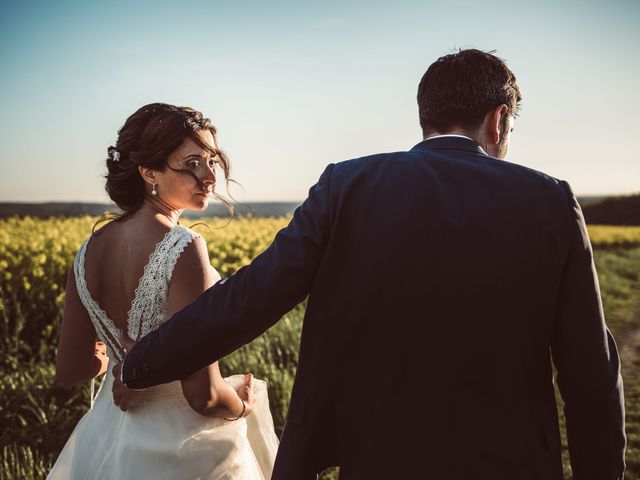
(164, 162)
(115, 261)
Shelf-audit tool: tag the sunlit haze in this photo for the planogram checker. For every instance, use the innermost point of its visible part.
(293, 86)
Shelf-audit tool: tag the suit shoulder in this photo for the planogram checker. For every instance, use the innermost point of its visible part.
(538, 178)
(364, 163)
(532, 172)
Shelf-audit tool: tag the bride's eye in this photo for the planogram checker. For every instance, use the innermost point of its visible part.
(212, 162)
(193, 163)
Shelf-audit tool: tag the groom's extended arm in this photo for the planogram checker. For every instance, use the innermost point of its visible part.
(586, 358)
(236, 310)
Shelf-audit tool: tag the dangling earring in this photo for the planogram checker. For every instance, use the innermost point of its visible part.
(153, 191)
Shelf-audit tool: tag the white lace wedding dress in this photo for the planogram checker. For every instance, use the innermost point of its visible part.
(160, 436)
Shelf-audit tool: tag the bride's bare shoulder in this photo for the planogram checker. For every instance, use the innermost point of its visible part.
(129, 235)
(194, 260)
(192, 275)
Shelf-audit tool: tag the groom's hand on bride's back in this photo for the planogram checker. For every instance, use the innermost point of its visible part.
(122, 396)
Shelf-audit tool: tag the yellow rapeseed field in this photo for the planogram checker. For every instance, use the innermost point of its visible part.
(36, 254)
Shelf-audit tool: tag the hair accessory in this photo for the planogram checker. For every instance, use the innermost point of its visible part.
(114, 155)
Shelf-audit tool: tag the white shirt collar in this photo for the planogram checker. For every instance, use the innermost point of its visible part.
(449, 135)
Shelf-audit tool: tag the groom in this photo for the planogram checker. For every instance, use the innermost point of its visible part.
(441, 283)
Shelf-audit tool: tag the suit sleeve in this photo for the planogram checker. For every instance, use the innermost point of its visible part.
(236, 310)
(587, 363)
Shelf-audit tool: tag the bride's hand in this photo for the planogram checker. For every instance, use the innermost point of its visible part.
(246, 393)
(100, 353)
(101, 349)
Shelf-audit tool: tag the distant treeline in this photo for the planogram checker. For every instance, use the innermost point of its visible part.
(56, 209)
(597, 210)
(614, 211)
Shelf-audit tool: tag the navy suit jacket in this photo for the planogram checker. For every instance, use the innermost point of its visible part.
(441, 282)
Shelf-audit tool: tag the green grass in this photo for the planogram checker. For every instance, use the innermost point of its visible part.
(619, 275)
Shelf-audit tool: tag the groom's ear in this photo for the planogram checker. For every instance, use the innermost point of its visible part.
(493, 124)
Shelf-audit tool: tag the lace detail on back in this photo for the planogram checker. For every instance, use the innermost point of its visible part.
(149, 307)
(105, 328)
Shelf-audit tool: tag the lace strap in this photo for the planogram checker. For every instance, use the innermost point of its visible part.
(186, 237)
(149, 305)
(105, 328)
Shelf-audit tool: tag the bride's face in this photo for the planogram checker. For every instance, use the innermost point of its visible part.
(179, 188)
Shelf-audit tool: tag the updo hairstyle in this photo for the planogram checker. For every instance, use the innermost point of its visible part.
(147, 138)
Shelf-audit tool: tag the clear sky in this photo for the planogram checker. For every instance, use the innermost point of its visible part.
(295, 85)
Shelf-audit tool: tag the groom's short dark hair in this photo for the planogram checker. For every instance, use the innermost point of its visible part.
(459, 89)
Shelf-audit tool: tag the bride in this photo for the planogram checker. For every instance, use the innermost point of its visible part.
(127, 279)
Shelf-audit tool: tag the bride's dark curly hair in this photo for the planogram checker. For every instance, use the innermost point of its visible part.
(147, 138)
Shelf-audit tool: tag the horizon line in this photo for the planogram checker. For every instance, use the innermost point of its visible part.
(299, 201)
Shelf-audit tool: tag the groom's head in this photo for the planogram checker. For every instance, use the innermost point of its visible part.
(471, 93)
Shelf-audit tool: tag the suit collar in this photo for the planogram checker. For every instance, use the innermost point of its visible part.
(450, 143)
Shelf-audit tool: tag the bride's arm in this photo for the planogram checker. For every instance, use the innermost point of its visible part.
(210, 395)
(79, 357)
(205, 390)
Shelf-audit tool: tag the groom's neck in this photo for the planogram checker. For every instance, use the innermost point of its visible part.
(426, 134)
